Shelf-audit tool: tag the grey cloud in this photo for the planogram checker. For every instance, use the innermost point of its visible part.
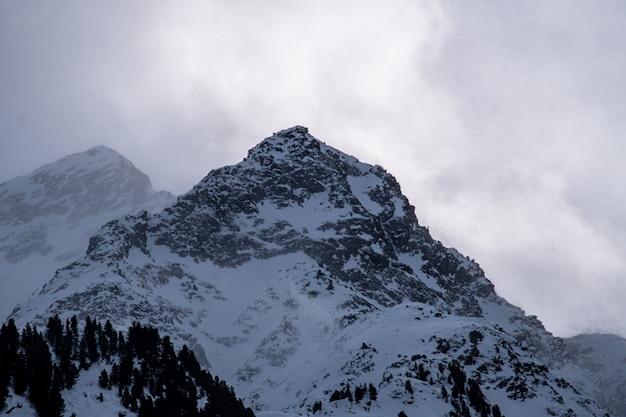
(501, 120)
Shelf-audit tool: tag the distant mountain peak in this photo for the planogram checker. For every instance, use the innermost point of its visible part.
(82, 184)
(101, 149)
(94, 158)
(47, 216)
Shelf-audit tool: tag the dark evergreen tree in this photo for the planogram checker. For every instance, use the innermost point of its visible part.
(39, 370)
(348, 393)
(125, 370)
(136, 391)
(55, 405)
(74, 328)
(114, 379)
(146, 408)
(89, 335)
(125, 398)
(111, 336)
(57, 377)
(476, 397)
(9, 343)
(457, 376)
(335, 396)
(54, 334)
(373, 392)
(103, 379)
(103, 343)
(189, 362)
(359, 392)
(69, 369)
(20, 374)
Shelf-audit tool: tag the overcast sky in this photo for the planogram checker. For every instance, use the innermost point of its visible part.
(503, 121)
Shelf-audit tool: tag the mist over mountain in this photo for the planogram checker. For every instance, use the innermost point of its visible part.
(303, 277)
(46, 217)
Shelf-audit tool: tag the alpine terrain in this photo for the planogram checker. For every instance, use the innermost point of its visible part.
(302, 277)
(47, 217)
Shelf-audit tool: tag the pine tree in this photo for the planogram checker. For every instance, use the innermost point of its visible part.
(69, 369)
(103, 379)
(476, 397)
(125, 370)
(20, 374)
(39, 366)
(103, 343)
(422, 374)
(9, 343)
(89, 335)
(146, 408)
(55, 405)
(114, 378)
(126, 399)
(111, 336)
(74, 328)
(83, 355)
(54, 333)
(373, 392)
(359, 392)
(348, 393)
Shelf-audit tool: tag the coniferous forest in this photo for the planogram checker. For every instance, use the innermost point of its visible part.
(151, 378)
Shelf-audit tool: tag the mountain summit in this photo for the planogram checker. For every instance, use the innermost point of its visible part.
(46, 217)
(304, 275)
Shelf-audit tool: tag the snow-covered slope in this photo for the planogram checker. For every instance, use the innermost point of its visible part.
(46, 217)
(602, 358)
(302, 274)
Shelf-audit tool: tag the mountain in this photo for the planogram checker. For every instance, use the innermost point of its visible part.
(47, 217)
(303, 277)
(602, 358)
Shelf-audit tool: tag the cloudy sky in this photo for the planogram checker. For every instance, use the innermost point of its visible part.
(503, 121)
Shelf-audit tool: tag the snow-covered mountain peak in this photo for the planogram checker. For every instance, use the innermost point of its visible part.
(46, 217)
(83, 184)
(301, 274)
(295, 146)
(295, 194)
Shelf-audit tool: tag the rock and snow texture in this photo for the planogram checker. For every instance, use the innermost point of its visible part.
(602, 358)
(301, 272)
(47, 217)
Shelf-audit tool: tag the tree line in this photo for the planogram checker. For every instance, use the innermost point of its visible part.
(151, 378)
